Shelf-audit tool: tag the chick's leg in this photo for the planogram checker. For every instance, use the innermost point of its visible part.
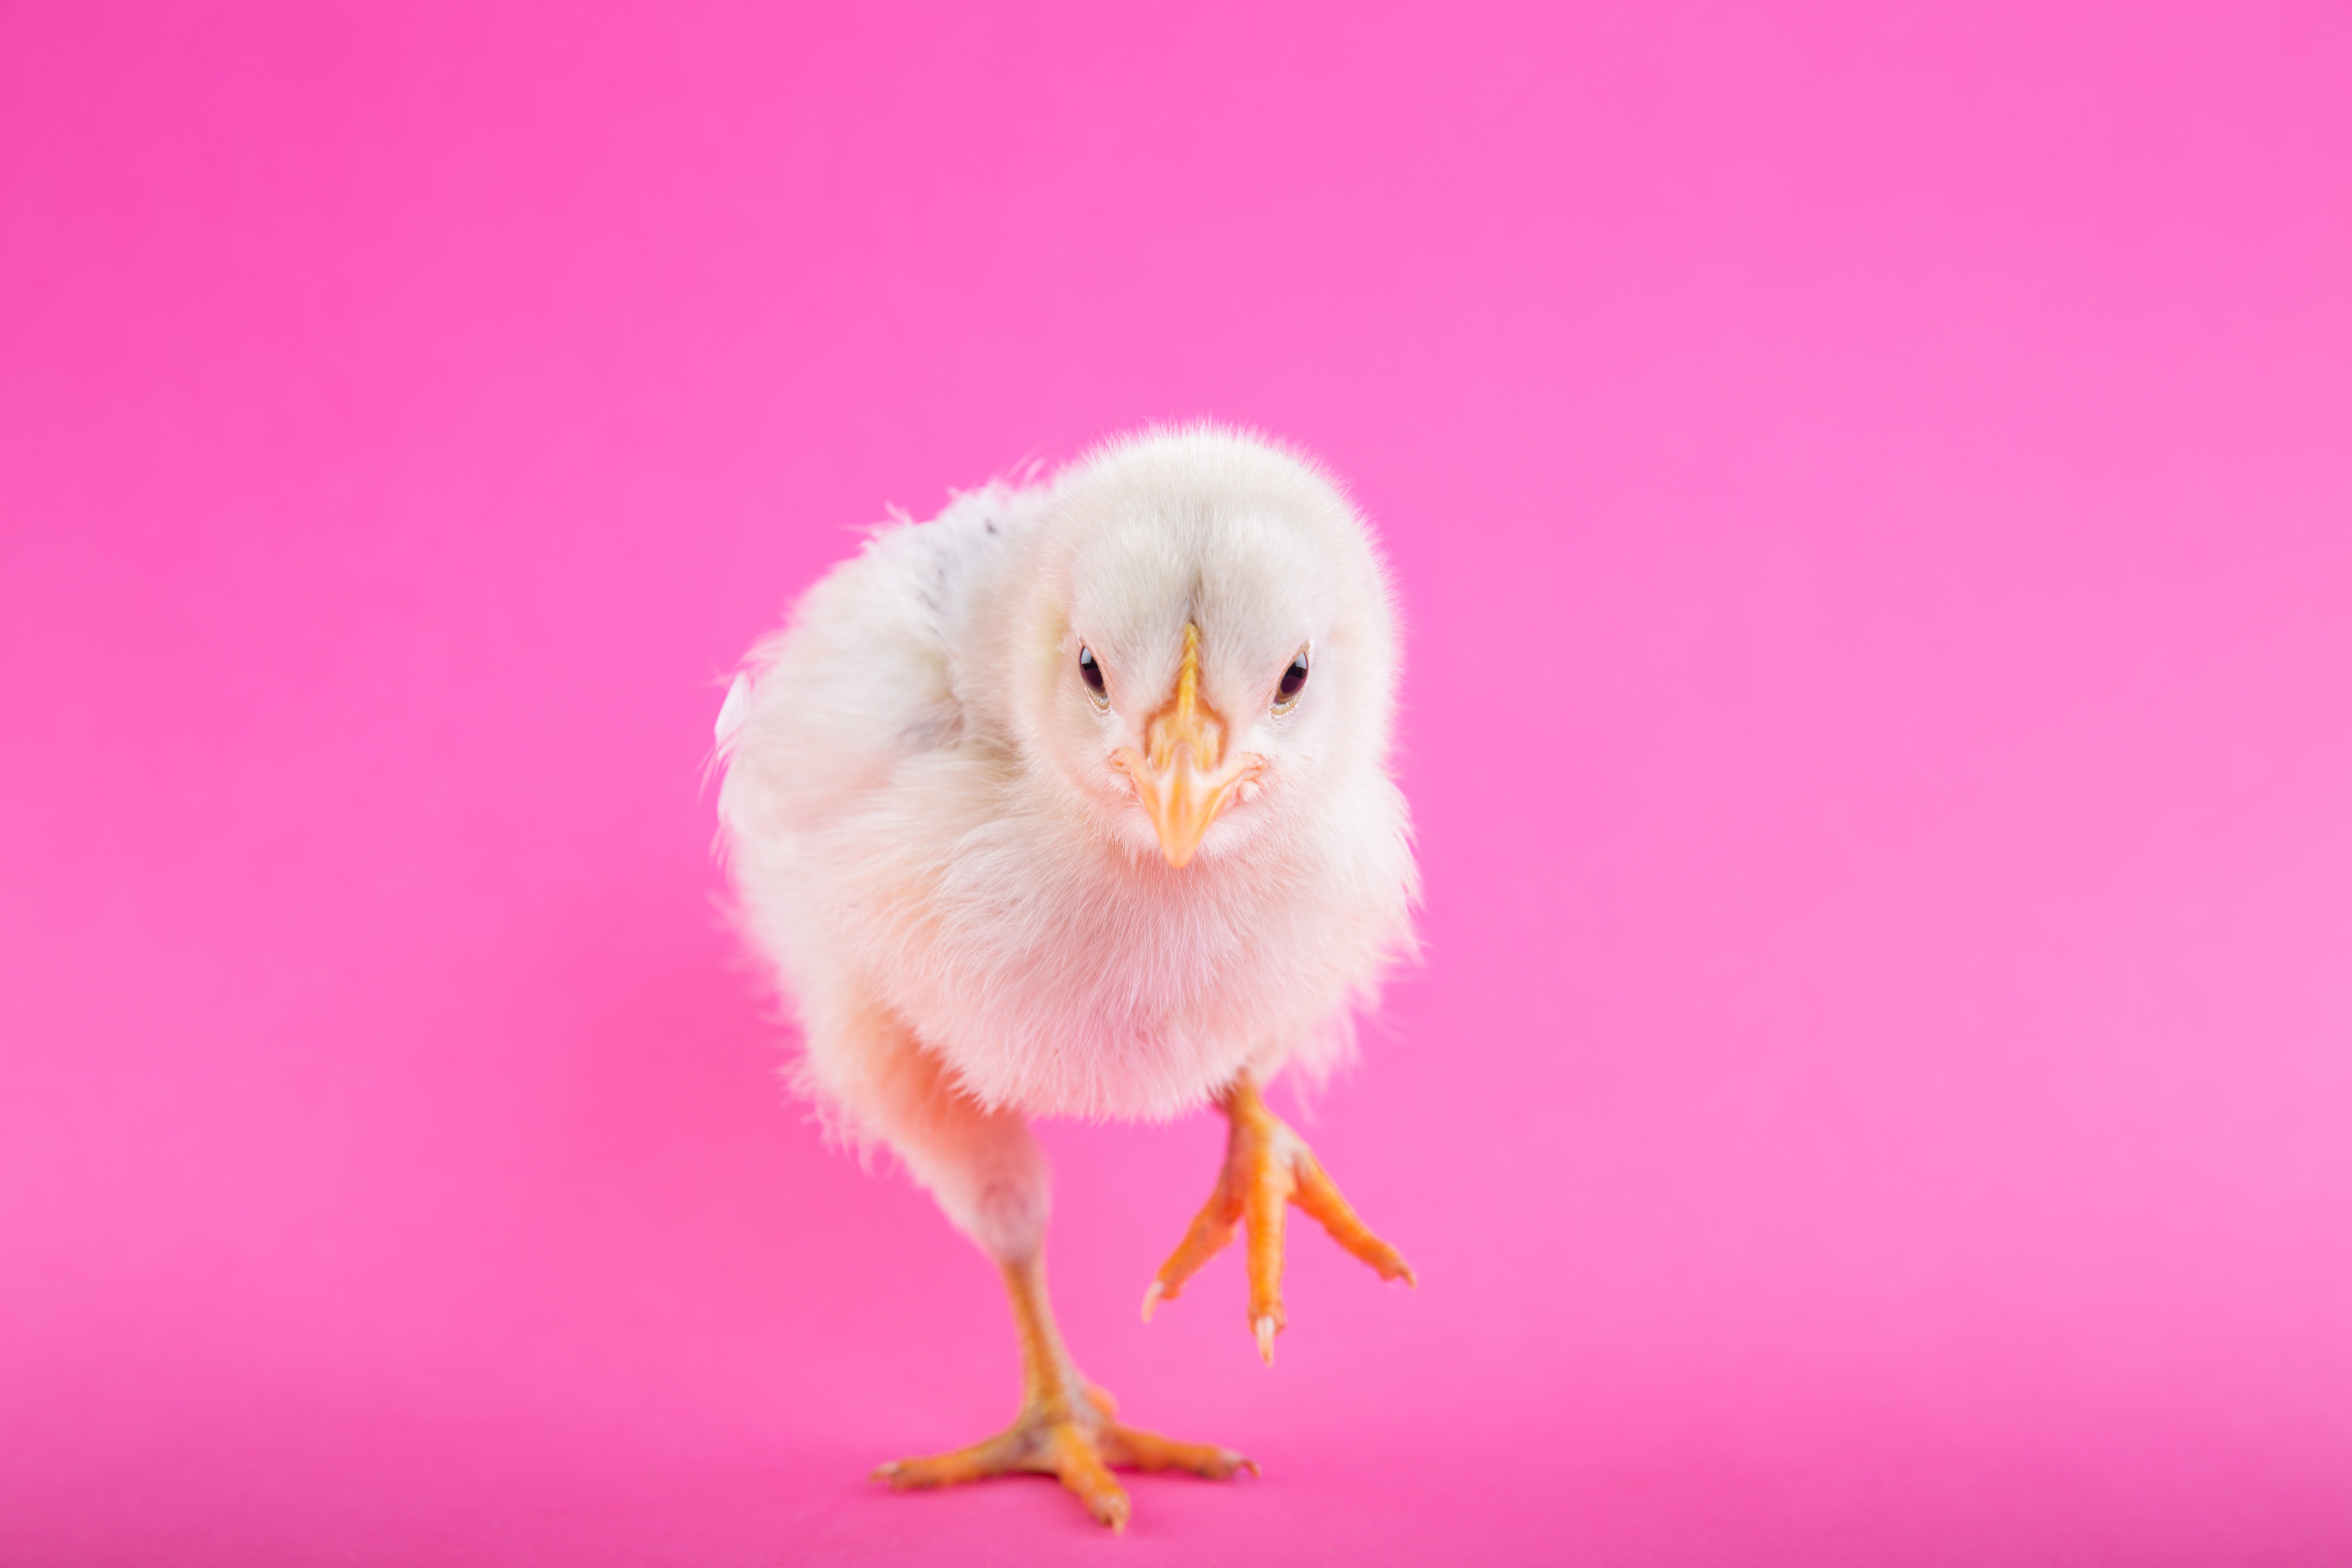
(1065, 1427)
(989, 1177)
(1267, 1166)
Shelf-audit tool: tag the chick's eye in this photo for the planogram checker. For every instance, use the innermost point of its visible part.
(1292, 680)
(1090, 670)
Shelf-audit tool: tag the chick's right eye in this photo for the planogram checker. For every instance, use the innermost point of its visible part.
(1089, 670)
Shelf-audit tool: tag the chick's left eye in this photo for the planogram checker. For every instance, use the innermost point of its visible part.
(1293, 678)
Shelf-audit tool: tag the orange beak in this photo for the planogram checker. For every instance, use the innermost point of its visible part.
(1186, 779)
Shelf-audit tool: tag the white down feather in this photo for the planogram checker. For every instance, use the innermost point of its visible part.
(928, 838)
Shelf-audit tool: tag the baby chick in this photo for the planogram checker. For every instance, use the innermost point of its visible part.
(1073, 801)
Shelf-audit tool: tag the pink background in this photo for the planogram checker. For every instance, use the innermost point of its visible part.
(1872, 490)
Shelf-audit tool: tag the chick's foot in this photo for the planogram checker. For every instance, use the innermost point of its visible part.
(1065, 1427)
(1267, 1167)
(1079, 1444)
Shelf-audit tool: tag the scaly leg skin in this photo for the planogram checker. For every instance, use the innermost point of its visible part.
(1065, 1428)
(1268, 1165)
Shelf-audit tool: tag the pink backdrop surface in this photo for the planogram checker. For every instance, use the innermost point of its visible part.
(1872, 488)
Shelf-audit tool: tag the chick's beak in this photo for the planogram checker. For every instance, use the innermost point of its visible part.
(1186, 779)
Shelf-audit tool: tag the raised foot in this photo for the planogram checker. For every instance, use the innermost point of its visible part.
(1267, 1167)
(1081, 1446)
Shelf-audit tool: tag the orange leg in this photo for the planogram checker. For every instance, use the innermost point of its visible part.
(1065, 1428)
(1267, 1166)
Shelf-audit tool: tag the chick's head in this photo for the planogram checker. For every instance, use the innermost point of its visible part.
(1211, 644)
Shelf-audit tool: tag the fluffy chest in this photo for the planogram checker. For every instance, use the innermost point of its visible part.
(1060, 977)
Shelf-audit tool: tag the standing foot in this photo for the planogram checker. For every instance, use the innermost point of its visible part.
(1077, 1442)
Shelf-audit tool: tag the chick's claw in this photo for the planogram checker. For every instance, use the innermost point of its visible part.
(1064, 1448)
(1212, 1228)
(1267, 1167)
(1132, 1447)
(1320, 1197)
(1079, 1449)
